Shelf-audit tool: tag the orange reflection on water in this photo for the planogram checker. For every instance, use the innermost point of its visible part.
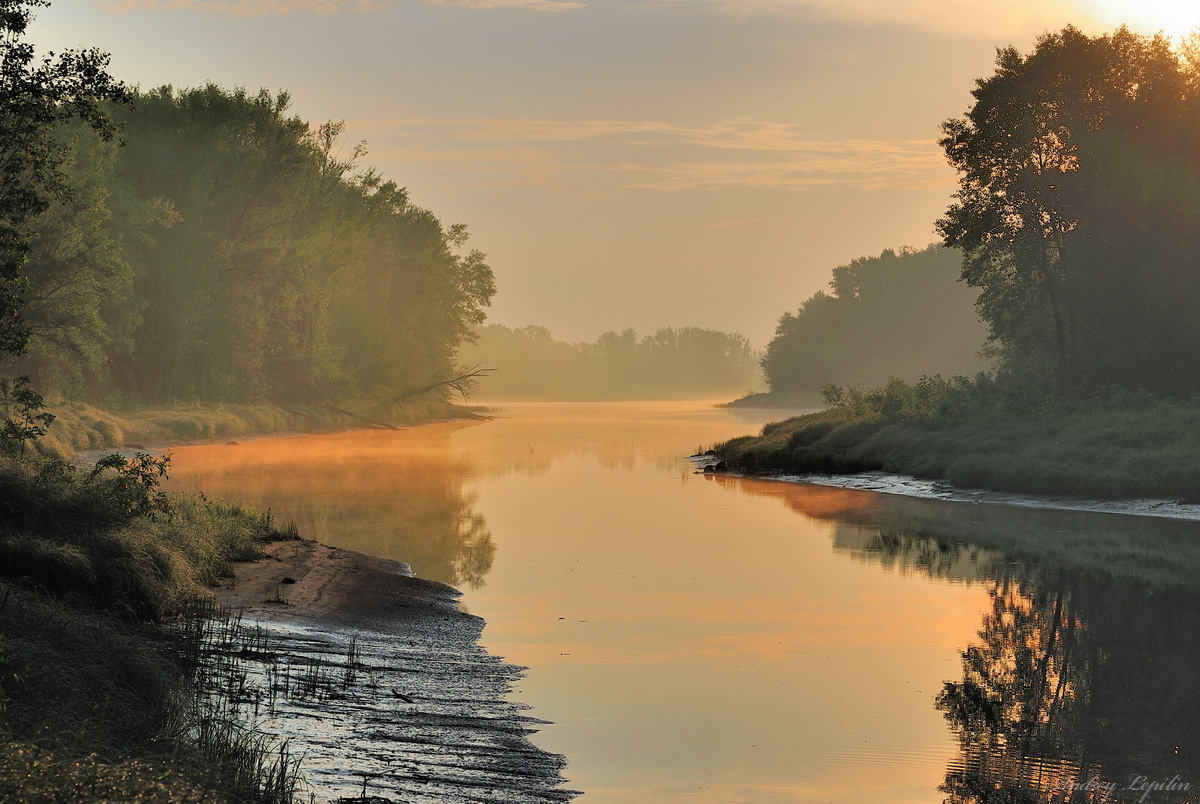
(689, 644)
(394, 494)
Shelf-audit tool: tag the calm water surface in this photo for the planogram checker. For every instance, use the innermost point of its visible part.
(701, 639)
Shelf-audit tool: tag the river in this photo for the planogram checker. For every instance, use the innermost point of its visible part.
(694, 638)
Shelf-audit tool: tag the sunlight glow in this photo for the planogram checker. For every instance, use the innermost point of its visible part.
(1175, 18)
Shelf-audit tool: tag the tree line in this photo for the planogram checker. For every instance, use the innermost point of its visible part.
(901, 314)
(210, 246)
(1074, 224)
(689, 362)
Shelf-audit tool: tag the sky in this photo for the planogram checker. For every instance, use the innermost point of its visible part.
(623, 163)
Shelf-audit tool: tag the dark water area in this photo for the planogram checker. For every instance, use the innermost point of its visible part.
(714, 639)
(1081, 682)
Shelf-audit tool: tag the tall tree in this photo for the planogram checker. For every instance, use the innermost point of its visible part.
(35, 97)
(1077, 197)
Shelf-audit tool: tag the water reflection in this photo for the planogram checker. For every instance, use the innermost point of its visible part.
(1078, 690)
(710, 639)
(1081, 686)
(401, 495)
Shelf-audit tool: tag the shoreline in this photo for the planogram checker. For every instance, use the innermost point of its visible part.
(82, 428)
(909, 486)
(426, 717)
(87, 458)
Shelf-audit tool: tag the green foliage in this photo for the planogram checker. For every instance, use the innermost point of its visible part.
(137, 480)
(227, 254)
(103, 539)
(689, 362)
(1076, 207)
(24, 416)
(37, 97)
(983, 434)
(94, 704)
(898, 314)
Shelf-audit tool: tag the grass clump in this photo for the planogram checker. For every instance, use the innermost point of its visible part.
(981, 434)
(95, 701)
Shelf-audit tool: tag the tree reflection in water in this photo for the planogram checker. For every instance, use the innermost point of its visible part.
(1078, 691)
(1082, 686)
(401, 495)
(1015, 711)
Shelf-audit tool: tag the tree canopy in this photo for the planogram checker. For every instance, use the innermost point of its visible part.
(35, 98)
(895, 315)
(1077, 209)
(229, 252)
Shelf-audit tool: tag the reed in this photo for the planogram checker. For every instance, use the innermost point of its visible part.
(120, 680)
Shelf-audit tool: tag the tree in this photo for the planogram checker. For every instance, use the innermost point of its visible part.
(35, 97)
(1076, 206)
(895, 315)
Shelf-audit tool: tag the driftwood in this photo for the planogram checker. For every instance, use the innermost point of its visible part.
(464, 383)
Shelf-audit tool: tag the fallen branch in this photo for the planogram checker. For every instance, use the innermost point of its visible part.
(372, 422)
(464, 383)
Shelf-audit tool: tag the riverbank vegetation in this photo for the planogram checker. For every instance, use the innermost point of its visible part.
(98, 702)
(227, 253)
(979, 434)
(80, 426)
(205, 251)
(1077, 192)
(685, 363)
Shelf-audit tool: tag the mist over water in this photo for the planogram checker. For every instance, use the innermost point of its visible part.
(701, 639)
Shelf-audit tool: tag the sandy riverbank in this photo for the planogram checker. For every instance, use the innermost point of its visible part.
(414, 709)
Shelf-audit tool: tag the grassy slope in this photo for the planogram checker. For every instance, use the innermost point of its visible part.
(1148, 450)
(79, 426)
(95, 703)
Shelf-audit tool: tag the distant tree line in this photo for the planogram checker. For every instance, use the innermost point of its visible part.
(228, 252)
(901, 314)
(689, 362)
(1078, 208)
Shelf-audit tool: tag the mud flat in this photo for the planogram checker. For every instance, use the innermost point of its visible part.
(908, 486)
(377, 682)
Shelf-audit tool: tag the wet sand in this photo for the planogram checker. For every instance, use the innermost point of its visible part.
(909, 486)
(389, 696)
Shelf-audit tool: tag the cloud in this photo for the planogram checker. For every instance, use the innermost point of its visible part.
(530, 5)
(267, 8)
(244, 8)
(650, 155)
(985, 18)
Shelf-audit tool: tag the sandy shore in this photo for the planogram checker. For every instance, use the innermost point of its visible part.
(307, 581)
(376, 678)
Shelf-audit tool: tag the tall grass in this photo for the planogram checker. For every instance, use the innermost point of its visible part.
(96, 702)
(975, 434)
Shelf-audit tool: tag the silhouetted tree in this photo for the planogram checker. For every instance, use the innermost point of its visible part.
(1078, 193)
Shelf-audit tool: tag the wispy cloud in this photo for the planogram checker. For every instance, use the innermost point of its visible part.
(268, 8)
(598, 155)
(245, 8)
(974, 17)
(529, 5)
